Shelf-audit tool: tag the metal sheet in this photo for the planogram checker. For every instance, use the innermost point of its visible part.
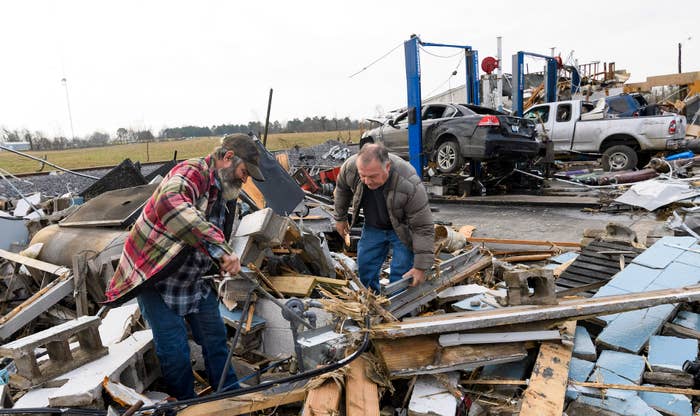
(61, 243)
(111, 209)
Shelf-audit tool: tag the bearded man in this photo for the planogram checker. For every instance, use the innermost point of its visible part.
(172, 246)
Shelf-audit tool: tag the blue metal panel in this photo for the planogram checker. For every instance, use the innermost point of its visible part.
(519, 80)
(550, 87)
(415, 142)
(575, 80)
(472, 73)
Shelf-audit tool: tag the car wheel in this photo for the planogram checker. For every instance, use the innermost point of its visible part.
(620, 157)
(448, 157)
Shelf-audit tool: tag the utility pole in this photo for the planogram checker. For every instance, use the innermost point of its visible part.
(499, 76)
(70, 115)
(680, 48)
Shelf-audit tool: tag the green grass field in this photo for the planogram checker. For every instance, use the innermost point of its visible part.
(157, 151)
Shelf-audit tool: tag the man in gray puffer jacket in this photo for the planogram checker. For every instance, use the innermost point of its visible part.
(397, 215)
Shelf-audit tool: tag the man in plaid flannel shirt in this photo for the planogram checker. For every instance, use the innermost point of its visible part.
(169, 250)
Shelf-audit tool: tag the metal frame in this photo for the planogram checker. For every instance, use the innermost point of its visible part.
(550, 79)
(413, 86)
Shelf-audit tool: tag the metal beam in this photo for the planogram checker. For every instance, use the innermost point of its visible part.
(415, 125)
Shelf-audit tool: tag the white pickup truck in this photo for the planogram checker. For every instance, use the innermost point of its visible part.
(580, 127)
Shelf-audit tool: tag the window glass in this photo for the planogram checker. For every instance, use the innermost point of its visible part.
(563, 112)
(449, 112)
(433, 111)
(539, 114)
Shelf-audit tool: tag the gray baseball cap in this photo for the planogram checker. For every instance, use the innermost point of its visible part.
(245, 148)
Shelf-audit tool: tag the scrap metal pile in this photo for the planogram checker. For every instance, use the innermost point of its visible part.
(606, 325)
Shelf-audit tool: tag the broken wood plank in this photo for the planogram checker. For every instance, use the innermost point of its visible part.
(566, 309)
(495, 382)
(634, 387)
(448, 340)
(361, 393)
(323, 400)
(427, 357)
(525, 257)
(34, 263)
(680, 331)
(331, 282)
(294, 285)
(669, 379)
(523, 242)
(80, 285)
(247, 403)
(545, 394)
(37, 304)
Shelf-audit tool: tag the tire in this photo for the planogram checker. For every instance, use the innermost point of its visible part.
(448, 157)
(620, 157)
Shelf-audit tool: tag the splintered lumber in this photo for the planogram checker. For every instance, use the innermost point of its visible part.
(323, 400)
(546, 392)
(293, 285)
(680, 331)
(361, 393)
(405, 357)
(248, 403)
(524, 242)
(634, 387)
(526, 257)
(669, 379)
(565, 310)
(34, 263)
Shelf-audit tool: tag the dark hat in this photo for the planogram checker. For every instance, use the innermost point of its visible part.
(245, 148)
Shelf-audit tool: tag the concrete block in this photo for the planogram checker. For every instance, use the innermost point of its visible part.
(521, 282)
(669, 353)
(583, 345)
(688, 320)
(430, 397)
(630, 331)
(668, 404)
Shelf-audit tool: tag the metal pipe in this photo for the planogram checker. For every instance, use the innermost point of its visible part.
(499, 76)
(267, 118)
(47, 162)
(239, 327)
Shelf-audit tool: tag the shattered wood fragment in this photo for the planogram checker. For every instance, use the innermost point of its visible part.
(566, 309)
(248, 403)
(634, 387)
(547, 389)
(524, 242)
(427, 357)
(361, 393)
(323, 400)
(669, 379)
(293, 285)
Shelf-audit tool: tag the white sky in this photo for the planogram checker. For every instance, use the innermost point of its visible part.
(152, 64)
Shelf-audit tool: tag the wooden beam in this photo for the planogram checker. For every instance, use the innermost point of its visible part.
(246, 403)
(323, 400)
(427, 357)
(34, 263)
(680, 331)
(545, 394)
(361, 393)
(633, 387)
(495, 382)
(523, 242)
(566, 309)
(669, 379)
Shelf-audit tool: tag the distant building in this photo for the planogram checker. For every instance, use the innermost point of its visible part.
(21, 146)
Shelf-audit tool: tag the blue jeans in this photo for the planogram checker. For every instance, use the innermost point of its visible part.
(170, 338)
(372, 250)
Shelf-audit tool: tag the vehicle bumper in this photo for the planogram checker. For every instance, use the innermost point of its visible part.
(517, 148)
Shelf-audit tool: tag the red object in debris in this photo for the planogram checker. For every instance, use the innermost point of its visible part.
(488, 121)
(560, 63)
(672, 127)
(489, 64)
(305, 181)
(330, 175)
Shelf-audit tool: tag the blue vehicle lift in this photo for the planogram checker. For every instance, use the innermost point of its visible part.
(413, 84)
(550, 79)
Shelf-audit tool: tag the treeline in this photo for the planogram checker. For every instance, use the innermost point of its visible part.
(39, 141)
(309, 124)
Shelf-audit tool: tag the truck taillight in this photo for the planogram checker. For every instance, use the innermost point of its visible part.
(489, 120)
(672, 127)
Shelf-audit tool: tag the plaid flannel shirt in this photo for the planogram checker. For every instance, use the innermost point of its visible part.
(174, 217)
(183, 290)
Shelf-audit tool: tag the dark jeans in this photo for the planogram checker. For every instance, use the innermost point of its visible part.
(372, 250)
(170, 338)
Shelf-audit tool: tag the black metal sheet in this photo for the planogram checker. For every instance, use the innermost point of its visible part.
(111, 209)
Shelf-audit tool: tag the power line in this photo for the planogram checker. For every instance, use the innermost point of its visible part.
(441, 56)
(377, 60)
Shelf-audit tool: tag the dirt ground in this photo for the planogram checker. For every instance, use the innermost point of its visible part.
(538, 223)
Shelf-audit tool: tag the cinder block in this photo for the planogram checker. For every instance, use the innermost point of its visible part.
(541, 281)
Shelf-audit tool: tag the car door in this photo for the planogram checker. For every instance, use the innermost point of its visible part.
(395, 135)
(562, 131)
(543, 122)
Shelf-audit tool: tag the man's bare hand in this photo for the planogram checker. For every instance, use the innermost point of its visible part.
(417, 275)
(342, 227)
(230, 263)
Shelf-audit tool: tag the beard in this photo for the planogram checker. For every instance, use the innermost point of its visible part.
(229, 182)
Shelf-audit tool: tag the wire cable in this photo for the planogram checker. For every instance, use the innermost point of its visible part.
(377, 60)
(441, 56)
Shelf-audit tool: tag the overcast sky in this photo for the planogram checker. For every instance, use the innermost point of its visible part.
(155, 64)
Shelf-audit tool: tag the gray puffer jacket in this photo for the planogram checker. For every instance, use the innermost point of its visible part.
(406, 202)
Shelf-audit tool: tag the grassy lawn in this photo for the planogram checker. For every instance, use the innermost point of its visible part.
(157, 151)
